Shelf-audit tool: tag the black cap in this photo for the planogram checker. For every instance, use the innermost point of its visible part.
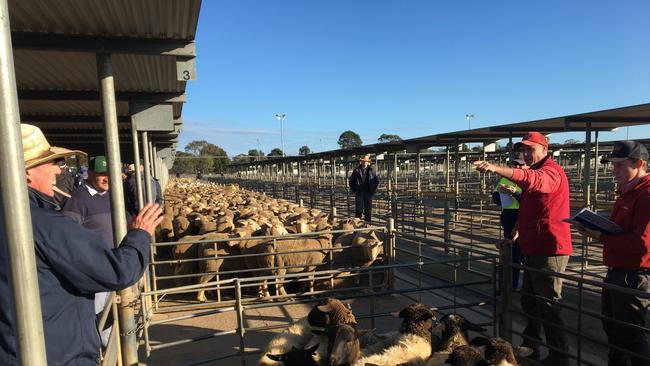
(624, 150)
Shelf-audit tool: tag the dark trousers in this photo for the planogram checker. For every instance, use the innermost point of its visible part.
(363, 205)
(630, 309)
(508, 220)
(549, 287)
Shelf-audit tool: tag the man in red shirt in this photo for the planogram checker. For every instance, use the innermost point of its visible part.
(544, 240)
(627, 255)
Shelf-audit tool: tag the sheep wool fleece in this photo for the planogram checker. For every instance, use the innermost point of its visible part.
(73, 264)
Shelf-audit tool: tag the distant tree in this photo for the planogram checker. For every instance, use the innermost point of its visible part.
(254, 155)
(572, 142)
(275, 152)
(349, 139)
(465, 147)
(240, 158)
(184, 163)
(477, 148)
(195, 147)
(388, 138)
(304, 150)
(207, 157)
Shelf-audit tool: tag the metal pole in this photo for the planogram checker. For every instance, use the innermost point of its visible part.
(148, 194)
(587, 167)
(18, 225)
(127, 318)
(136, 165)
(447, 164)
(596, 162)
(241, 331)
(418, 181)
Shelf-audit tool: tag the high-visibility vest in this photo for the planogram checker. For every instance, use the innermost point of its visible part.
(507, 182)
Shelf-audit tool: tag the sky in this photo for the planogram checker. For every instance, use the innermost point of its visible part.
(408, 67)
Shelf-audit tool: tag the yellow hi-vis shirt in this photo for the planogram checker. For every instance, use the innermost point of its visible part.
(507, 182)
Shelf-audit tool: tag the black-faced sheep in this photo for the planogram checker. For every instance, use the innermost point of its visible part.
(413, 344)
(297, 357)
(311, 330)
(499, 352)
(467, 356)
(454, 334)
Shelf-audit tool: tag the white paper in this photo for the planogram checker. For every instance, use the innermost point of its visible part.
(506, 199)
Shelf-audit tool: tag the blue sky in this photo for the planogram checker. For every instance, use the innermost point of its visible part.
(408, 67)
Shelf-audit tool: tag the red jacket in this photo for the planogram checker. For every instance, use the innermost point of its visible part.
(631, 249)
(544, 203)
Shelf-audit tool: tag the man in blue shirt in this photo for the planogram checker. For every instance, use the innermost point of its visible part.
(363, 182)
(90, 207)
(73, 264)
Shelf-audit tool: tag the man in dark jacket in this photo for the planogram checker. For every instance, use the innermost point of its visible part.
(544, 239)
(627, 255)
(364, 183)
(131, 190)
(72, 262)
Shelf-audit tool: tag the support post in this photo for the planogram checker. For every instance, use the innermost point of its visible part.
(148, 188)
(127, 315)
(596, 163)
(418, 182)
(18, 225)
(136, 165)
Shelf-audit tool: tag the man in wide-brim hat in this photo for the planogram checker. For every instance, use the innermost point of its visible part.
(73, 264)
(363, 182)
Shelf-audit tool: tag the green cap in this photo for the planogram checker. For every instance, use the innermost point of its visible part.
(98, 164)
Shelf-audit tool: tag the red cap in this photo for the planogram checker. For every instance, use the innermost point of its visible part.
(532, 138)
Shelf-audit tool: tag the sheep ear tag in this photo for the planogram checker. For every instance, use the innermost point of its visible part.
(395, 314)
(522, 351)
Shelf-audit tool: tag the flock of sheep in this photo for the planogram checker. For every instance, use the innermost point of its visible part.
(233, 225)
(329, 336)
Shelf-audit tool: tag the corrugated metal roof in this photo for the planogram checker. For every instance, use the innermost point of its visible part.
(46, 68)
(163, 19)
(50, 70)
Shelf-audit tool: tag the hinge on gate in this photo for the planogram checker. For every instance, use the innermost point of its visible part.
(117, 299)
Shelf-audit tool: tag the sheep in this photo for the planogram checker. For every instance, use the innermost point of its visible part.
(454, 334)
(287, 262)
(467, 356)
(310, 330)
(412, 346)
(499, 352)
(343, 346)
(297, 357)
(223, 263)
(182, 252)
(180, 225)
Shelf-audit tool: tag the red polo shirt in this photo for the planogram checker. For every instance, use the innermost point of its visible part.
(544, 203)
(631, 249)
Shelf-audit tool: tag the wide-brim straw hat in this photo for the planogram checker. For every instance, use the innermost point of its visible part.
(365, 158)
(37, 150)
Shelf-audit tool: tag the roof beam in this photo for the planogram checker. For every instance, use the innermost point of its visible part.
(153, 97)
(114, 45)
(612, 119)
(78, 119)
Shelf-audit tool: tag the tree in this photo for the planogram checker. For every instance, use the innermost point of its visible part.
(477, 148)
(572, 142)
(241, 158)
(184, 163)
(388, 138)
(465, 147)
(349, 139)
(276, 152)
(304, 150)
(255, 155)
(206, 157)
